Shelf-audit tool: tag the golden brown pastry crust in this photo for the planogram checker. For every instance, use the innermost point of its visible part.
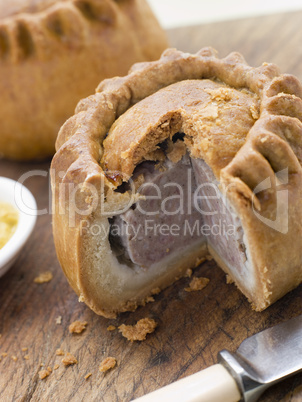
(14, 7)
(53, 53)
(224, 111)
(272, 144)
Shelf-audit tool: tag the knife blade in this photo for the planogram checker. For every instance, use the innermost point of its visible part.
(260, 361)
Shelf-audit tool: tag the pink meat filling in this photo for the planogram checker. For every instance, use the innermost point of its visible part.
(182, 207)
(159, 224)
(226, 233)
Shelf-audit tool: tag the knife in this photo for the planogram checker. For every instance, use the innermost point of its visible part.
(260, 361)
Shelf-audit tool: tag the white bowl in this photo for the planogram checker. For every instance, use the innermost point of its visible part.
(22, 199)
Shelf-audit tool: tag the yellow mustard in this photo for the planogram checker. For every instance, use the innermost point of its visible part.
(8, 222)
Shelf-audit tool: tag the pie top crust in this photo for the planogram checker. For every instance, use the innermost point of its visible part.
(270, 142)
(275, 105)
(215, 118)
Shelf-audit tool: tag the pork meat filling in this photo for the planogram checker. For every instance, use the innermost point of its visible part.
(164, 221)
(180, 207)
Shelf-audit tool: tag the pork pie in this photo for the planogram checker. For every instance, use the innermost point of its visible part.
(185, 156)
(55, 52)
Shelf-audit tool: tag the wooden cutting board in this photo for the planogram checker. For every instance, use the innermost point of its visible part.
(192, 327)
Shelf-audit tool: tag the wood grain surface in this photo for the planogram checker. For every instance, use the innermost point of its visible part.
(192, 327)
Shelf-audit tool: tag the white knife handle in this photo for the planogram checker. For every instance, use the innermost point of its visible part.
(214, 384)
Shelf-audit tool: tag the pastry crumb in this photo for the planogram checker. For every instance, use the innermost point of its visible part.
(176, 150)
(155, 291)
(110, 105)
(14, 358)
(60, 352)
(254, 112)
(107, 364)
(87, 376)
(44, 277)
(69, 359)
(111, 328)
(59, 320)
(220, 94)
(26, 357)
(189, 272)
(150, 299)
(199, 261)
(77, 327)
(43, 374)
(157, 156)
(197, 284)
(3, 354)
(24, 349)
(56, 366)
(49, 369)
(138, 181)
(139, 331)
(229, 279)
(165, 124)
(89, 199)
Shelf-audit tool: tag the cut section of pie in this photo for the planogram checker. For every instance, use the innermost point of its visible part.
(187, 156)
(55, 52)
